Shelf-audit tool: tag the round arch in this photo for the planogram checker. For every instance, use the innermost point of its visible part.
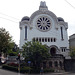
(54, 50)
(38, 12)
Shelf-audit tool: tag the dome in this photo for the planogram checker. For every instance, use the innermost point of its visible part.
(25, 18)
(60, 19)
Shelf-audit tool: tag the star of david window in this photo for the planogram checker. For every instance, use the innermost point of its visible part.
(43, 23)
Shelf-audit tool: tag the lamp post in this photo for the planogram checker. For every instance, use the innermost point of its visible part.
(29, 62)
(19, 63)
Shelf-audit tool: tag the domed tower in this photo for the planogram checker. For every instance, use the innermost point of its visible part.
(24, 25)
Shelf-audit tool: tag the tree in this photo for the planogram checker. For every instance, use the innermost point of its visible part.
(72, 52)
(6, 42)
(35, 52)
(14, 50)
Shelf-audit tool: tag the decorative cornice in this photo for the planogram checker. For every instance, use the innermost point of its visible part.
(44, 12)
(63, 23)
(24, 22)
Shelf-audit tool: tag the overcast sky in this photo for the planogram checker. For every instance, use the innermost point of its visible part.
(12, 11)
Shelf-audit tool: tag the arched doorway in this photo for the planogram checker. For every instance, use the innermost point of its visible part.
(53, 51)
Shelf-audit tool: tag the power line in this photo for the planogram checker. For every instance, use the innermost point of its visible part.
(9, 20)
(8, 16)
(70, 4)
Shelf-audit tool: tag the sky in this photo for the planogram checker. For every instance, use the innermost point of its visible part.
(12, 11)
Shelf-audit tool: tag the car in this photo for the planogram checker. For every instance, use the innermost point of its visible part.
(3, 60)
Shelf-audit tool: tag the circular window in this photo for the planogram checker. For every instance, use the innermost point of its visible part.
(43, 23)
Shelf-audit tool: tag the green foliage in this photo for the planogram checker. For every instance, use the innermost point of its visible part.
(35, 52)
(24, 69)
(35, 70)
(5, 41)
(48, 70)
(72, 52)
(10, 67)
(14, 68)
(12, 53)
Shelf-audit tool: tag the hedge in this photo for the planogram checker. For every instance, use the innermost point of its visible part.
(12, 68)
(24, 69)
(48, 70)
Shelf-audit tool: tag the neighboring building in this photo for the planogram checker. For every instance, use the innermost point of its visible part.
(44, 26)
(72, 41)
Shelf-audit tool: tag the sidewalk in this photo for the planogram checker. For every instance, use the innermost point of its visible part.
(6, 72)
(62, 73)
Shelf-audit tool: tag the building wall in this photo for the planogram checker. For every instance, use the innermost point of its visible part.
(53, 32)
(72, 41)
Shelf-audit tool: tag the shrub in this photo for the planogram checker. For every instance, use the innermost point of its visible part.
(13, 68)
(35, 70)
(10, 68)
(25, 69)
(48, 70)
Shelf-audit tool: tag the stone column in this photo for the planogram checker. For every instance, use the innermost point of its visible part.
(58, 65)
(53, 64)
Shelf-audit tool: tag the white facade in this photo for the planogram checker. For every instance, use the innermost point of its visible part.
(46, 27)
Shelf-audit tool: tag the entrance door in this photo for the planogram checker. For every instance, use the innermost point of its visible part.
(53, 51)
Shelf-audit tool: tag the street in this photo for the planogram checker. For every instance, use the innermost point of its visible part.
(6, 72)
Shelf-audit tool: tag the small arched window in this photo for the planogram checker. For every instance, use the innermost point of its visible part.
(39, 39)
(54, 40)
(51, 40)
(25, 32)
(42, 39)
(36, 39)
(45, 39)
(61, 32)
(48, 39)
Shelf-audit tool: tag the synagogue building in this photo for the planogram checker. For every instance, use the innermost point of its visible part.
(44, 26)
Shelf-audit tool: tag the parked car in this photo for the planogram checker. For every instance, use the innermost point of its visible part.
(3, 60)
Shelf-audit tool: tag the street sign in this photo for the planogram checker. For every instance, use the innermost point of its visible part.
(29, 62)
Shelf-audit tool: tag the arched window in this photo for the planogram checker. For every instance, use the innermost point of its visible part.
(42, 39)
(56, 64)
(36, 39)
(51, 40)
(48, 39)
(39, 39)
(61, 32)
(54, 40)
(25, 32)
(45, 39)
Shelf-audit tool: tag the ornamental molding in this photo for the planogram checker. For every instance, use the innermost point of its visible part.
(63, 23)
(24, 22)
(44, 12)
(54, 46)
